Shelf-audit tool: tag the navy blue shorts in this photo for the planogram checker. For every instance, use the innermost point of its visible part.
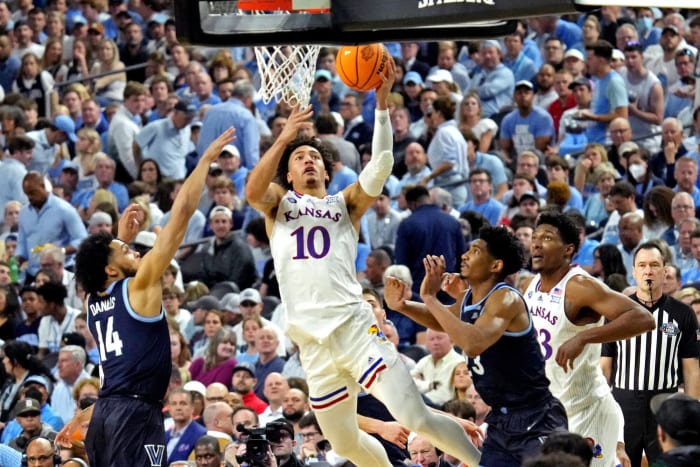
(515, 435)
(126, 431)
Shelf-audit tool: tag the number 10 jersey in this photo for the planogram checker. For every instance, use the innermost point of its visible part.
(314, 246)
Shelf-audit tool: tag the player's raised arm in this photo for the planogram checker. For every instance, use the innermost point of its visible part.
(475, 338)
(394, 294)
(260, 192)
(361, 194)
(626, 317)
(152, 265)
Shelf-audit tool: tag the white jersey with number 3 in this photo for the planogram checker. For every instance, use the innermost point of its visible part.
(577, 387)
(314, 246)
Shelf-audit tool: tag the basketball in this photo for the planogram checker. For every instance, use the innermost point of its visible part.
(361, 67)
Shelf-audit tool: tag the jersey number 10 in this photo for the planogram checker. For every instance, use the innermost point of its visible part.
(306, 243)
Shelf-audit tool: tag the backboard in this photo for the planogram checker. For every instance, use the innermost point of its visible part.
(228, 22)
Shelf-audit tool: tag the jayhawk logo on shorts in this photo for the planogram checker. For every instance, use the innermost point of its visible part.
(375, 331)
(597, 448)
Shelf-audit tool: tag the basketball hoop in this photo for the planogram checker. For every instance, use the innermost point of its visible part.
(286, 71)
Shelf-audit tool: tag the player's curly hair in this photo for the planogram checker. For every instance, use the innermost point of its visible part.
(503, 245)
(90, 261)
(568, 229)
(283, 167)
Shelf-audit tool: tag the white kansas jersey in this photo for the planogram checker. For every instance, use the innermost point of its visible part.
(314, 246)
(578, 387)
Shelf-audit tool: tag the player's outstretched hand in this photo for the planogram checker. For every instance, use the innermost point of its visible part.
(394, 433)
(568, 352)
(384, 89)
(211, 154)
(622, 455)
(299, 119)
(475, 433)
(434, 269)
(453, 285)
(63, 438)
(129, 224)
(394, 293)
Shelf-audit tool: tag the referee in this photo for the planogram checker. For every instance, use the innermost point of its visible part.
(649, 364)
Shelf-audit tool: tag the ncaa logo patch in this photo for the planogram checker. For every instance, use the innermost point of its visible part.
(670, 329)
(292, 200)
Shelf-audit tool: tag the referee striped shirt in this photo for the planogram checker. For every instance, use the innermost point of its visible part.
(651, 361)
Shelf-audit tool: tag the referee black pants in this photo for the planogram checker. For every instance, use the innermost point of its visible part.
(640, 424)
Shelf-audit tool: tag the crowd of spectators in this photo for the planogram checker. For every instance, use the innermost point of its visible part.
(596, 115)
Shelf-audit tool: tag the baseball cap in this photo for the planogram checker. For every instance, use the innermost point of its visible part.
(413, 77)
(158, 18)
(523, 83)
(79, 19)
(99, 217)
(195, 386)
(220, 210)
(528, 195)
(147, 239)
(670, 27)
(230, 149)
(28, 406)
(43, 380)
(205, 302)
(618, 55)
(73, 338)
(214, 168)
(678, 414)
(231, 302)
(66, 125)
(441, 75)
(250, 295)
(279, 424)
(581, 81)
(186, 107)
(70, 165)
(97, 27)
(629, 146)
(573, 53)
(245, 366)
(491, 43)
(323, 74)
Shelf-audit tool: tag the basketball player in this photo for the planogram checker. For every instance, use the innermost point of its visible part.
(491, 324)
(126, 317)
(569, 307)
(313, 239)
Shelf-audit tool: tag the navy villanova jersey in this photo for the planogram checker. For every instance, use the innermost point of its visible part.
(134, 350)
(514, 362)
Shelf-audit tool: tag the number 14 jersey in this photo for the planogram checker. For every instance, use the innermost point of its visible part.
(314, 246)
(577, 388)
(134, 349)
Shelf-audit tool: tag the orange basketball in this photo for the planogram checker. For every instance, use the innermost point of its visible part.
(361, 67)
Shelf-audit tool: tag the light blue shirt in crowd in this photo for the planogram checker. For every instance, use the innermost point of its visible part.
(491, 209)
(57, 222)
(220, 118)
(609, 93)
(11, 175)
(44, 154)
(168, 146)
(495, 89)
(523, 130)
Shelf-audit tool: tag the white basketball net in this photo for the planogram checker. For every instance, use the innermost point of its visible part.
(287, 72)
